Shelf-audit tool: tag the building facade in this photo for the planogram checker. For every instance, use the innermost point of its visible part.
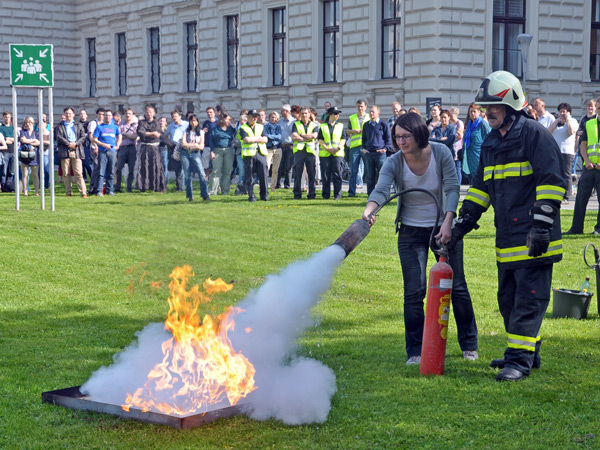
(260, 54)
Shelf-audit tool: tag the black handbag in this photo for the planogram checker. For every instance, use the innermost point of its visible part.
(26, 153)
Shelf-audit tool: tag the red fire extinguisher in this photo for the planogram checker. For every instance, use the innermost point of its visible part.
(435, 333)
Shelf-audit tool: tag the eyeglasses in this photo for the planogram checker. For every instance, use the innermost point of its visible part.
(403, 137)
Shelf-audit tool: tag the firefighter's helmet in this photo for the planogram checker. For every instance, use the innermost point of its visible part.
(501, 88)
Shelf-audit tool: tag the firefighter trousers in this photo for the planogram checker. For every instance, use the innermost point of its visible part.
(523, 297)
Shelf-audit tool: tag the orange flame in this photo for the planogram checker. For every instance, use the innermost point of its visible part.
(199, 367)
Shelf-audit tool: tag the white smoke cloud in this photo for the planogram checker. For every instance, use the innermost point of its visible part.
(292, 389)
(130, 369)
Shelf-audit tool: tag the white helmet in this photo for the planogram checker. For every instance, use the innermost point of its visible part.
(501, 88)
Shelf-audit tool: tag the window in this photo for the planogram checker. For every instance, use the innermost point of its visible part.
(154, 60)
(509, 22)
(279, 30)
(232, 50)
(191, 56)
(390, 38)
(91, 51)
(331, 29)
(595, 42)
(121, 64)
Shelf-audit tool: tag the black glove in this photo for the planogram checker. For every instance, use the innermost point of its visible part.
(457, 235)
(461, 226)
(538, 240)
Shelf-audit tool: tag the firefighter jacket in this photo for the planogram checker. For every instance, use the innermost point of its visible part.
(515, 171)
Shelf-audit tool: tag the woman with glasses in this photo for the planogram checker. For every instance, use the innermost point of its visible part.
(30, 142)
(428, 166)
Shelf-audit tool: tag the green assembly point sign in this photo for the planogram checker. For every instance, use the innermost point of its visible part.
(31, 65)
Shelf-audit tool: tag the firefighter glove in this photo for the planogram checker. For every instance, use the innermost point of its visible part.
(543, 214)
(460, 227)
(538, 240)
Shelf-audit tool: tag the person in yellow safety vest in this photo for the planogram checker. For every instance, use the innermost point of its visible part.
(354, 131)
(304, 135)
(332, 139)
(590, 176)
(254, 154)
(520, 174)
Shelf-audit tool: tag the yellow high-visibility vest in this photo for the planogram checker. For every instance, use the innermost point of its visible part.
(310, 145)
(250, 149)
(356, 140)
(593, 150)
(332, 141)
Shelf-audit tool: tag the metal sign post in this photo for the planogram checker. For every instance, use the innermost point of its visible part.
(51, 151)
(15, 149)
(41, 129)
(32, 65)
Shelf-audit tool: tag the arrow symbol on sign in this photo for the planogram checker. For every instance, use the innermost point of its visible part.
(19, 77)
(43, 77)
(43, 53)
(18, 52)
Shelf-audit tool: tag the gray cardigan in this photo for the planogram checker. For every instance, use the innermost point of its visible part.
(391, 172)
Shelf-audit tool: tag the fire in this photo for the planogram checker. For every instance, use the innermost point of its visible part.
(199, 367)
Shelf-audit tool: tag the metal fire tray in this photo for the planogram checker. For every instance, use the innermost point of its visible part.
(73, 398)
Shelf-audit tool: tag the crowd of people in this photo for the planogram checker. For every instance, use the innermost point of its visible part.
(297, 147)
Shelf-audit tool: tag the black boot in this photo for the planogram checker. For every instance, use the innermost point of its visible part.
(511, 374)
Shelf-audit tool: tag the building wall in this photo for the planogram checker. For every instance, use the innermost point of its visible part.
(41, 22)
(446, 51)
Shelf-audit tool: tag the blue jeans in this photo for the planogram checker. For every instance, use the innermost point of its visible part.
(106, 163)
(356, 157)
(413, 249)
(86, 162)
(458, 165)
(47, 171)
(240, 169)
(192, 161)
(164, 154)
(5, 165)
(374, 163)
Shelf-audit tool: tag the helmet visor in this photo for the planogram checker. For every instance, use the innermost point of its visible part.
(483, 94)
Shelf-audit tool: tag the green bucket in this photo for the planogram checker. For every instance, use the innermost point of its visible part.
(570, 303)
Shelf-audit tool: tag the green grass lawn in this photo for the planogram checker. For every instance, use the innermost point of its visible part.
(75, 287)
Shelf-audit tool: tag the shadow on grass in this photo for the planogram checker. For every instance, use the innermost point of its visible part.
(45, 344)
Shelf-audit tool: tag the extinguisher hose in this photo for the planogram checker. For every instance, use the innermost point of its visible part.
(432, 242)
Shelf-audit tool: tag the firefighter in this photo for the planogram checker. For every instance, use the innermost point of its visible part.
(520, 176)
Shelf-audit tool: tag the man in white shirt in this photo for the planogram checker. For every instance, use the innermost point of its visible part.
(544, 117)
(563, 130)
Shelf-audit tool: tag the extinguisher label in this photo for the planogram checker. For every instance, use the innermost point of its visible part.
(444, 311)
(446, 283)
